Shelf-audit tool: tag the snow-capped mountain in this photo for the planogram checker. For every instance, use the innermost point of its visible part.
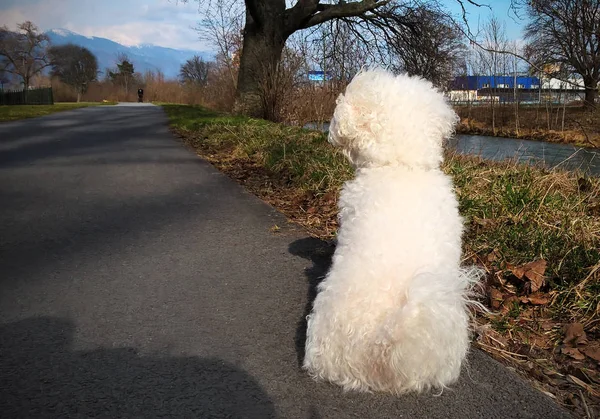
(144, 57)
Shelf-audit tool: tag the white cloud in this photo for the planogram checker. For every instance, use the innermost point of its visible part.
(136, 33)
(167, 23)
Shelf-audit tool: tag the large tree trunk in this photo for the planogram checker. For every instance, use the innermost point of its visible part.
(268, 25)
(261, 53)
(591, 91)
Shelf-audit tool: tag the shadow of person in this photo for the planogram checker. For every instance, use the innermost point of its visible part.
(41, 376)
(319, 252)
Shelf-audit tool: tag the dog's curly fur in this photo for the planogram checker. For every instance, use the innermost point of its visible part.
(391, 314)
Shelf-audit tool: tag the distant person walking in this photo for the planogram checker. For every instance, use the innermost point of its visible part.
(140, 95)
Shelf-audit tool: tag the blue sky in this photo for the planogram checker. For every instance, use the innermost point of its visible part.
(478, 16)
(169, 23)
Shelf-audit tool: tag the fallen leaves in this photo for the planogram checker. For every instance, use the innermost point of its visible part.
(531, 279)
(531, 275)
(484, 222)
(574, 334)
(537, 299)
(496, 298)
(573, 353)
(593, 351)
(576, 344)
(494, 256)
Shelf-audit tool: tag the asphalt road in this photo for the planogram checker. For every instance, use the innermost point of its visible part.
(137, 281)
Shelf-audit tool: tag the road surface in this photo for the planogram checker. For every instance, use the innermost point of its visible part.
(138, 281)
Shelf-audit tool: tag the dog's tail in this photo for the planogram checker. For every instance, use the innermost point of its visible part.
(428, 337)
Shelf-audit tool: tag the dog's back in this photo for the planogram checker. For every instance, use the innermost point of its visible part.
(395, 286)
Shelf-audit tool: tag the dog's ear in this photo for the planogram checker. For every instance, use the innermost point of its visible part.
(342, 128)
(354, 123)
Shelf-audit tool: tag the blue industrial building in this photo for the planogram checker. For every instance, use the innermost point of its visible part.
(316, 75)
(524, 89)
(495, 82)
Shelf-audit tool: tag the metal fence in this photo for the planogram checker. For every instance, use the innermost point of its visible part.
(38, 96)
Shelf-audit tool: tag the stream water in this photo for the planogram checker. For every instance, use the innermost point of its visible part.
(525, 151)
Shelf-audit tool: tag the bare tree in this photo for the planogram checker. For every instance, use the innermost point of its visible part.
(339, 53)
(74, 65)
(223, 28)
(125, 73)
(516, 99)
(194, 71)
(278, 82)
(493, 60)
(24, 53)
(567, 32)
(428, 44)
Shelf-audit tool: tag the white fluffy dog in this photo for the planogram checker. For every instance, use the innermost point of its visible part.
(391, 314)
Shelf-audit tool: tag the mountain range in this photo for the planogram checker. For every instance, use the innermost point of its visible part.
(144, 57)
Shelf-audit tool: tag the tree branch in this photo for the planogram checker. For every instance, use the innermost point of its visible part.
(342, 10)
(301, 11)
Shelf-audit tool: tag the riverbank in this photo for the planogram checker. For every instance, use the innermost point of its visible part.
(535, 231)
(569, 125)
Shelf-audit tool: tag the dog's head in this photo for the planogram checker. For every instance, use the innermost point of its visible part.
(383, 119)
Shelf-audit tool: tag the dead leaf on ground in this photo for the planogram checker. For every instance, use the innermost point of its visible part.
(527, 314)
(508, 303)
(542, 342)
(547, 325)
(496, 298)
(532, 273)
(487, 335)
(494, 256)
(537, 299)
(592, 351)
(535, 340)
(574, 334)
(483, 222)
(573, 353)
(330, 197)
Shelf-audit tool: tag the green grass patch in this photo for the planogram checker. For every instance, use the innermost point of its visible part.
(301, 158)
(16, 112)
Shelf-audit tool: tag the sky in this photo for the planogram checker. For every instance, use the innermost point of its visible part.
(170, 23)
(501, 9)
(167, 23)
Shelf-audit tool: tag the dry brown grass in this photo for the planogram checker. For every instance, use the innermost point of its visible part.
(310, 103)
(217, 94)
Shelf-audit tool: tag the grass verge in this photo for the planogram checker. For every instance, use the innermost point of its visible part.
(536, 232)
(15, 112)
